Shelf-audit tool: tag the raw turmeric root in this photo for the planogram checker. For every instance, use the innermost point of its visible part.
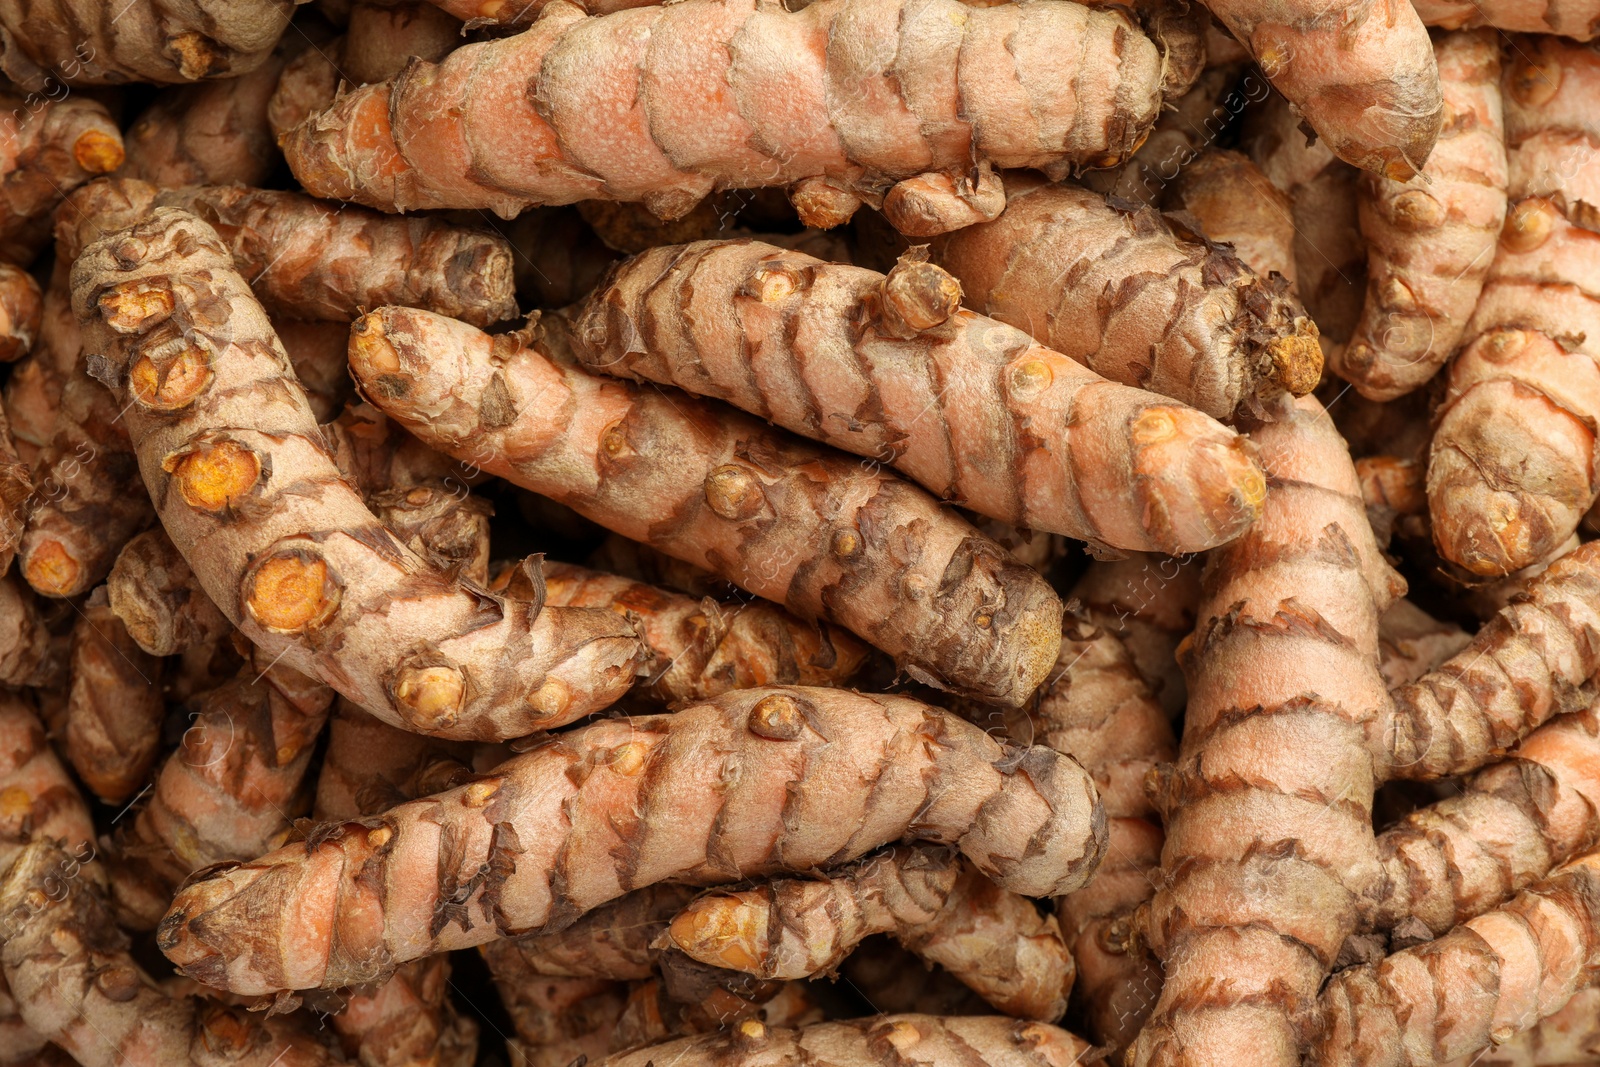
(939, 908)
(1147, 602)
(1578, 19)
(157, 599)
(817, 532)
(983, 1041)
(698, 649)
(1199, 326)
(26, 657)
(1236, 204)
(85, 42)
(1512, 470)
(735, 94)
(1269, 846)
(567, 827)
(1379, 106)
(1431, 240)
(1412, 643)
(1493, 976)
(1570, 1036)
(76, 984)
(1098, 710)
(41, 801)
(229, 791)
(16, 493)
(280, 541)
(892, 368)
(51, 148)
(21, 308)
(559, 1021)
(307, 260)
(115, 706)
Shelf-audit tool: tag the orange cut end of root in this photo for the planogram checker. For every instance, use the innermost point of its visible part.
(98, 152)
(52, 570)
(131, 307)
(172, 383)
(217, 477)
(291, 593)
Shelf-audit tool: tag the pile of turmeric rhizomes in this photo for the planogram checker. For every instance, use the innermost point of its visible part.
(855, 533)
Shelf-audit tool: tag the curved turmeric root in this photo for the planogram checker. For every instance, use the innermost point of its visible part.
(76, 984)
(280, 541)
(114, 706)
(1147, 602)
(1147, 305)
(41, 801)
(21, 309)
(1511, 471)
(1566, 1039)
(696, 649)
(982, 1041)
(735, 94)
(939, 908)
(158, 600)
(570, 825)
(1269, 848)
(891, 368)
(1378, 104)
(56, 147)
(815, 531)
(1431, 240)
(1493, 976)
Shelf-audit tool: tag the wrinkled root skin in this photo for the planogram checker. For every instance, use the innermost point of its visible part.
(582, 819)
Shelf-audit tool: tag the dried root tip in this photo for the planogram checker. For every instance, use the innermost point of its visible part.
(21, 308)
(1294, 361)
(822, 203)
(931, 204)
(157, 597)
(917, 295)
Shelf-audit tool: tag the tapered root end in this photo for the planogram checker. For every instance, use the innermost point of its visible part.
(1295, 361)
(98, 152)
(1199, 482)
(728, 931)
(52, 570)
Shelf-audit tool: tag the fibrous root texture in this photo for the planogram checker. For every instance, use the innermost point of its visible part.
(1269, 846)
(1199, 326)
(982, 1041)
(838, 100)
(1493, 976)
(892, 368)
(77, 985)
(823, 534)
(1362, 75)
(283, 545)
(1431, 240)
(807, 778)
(1512, 466)
(1579, 19)
(86, 42)
(937, 906)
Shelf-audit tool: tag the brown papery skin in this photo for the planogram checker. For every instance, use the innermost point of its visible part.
(16, 491)
(1537, 658)
(1431, 240)
(1238, 205)
(158, 600)
(1330, 255)
(519, 14)
(47, 149)
(615, 942)
(409, 1020)
(801, 525)
(76, 983)
(939, 908)
(229, 791)
(443, 524)
(1269, 849)
(888, 367)
(310, 260)
(1569, 1038)
(1411, 643)
(1512, 466)
(209, 134)
(26, 658)
(1579, 19)
(1098, 710)
(228, 445)
(21, 308)
(85, 42)
(316, 351)
(1488, 979)
(115, 706)
(1362, 76)
(807, 778)
(736, 94)
(558, 1020)
(1512, 824)
(1200, 326)
(381, 38)
(696, 649)
(1148, 602)
(879, 1041)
